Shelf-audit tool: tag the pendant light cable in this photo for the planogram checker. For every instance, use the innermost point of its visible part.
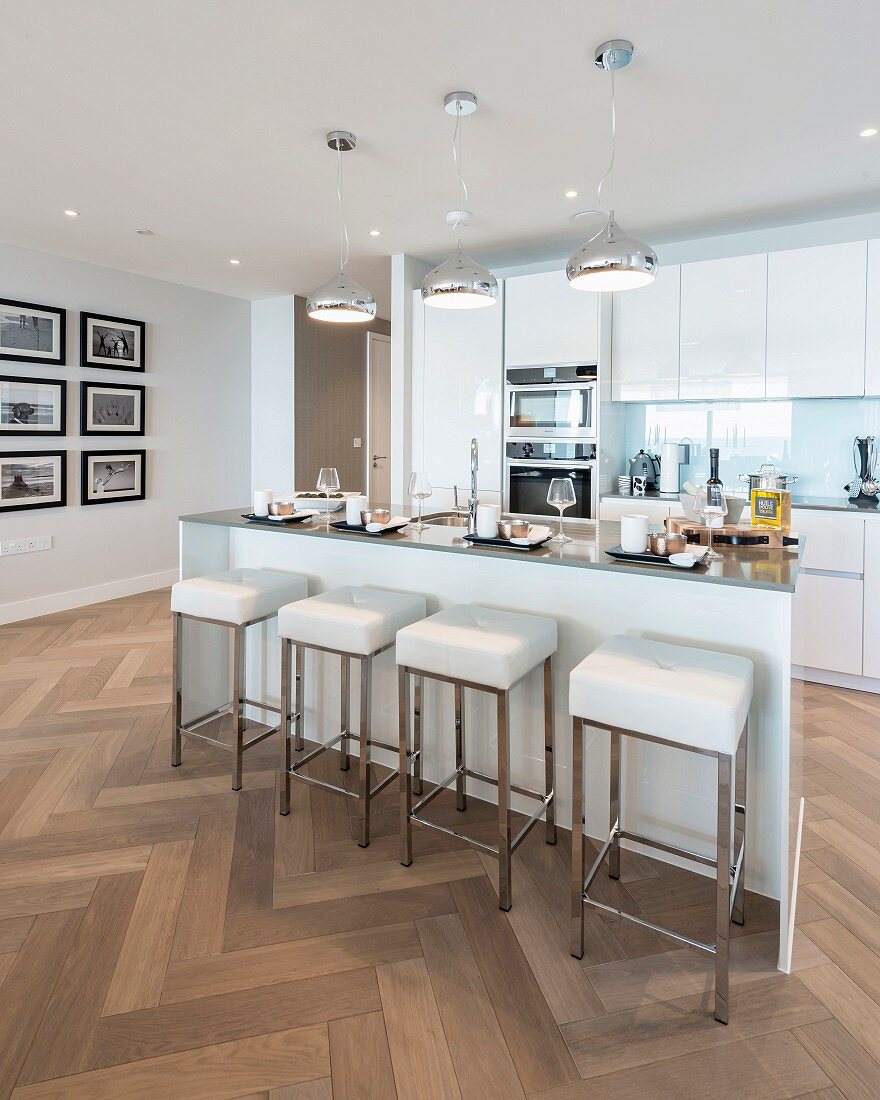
(456, 160)
(609, 172)
(343, 228)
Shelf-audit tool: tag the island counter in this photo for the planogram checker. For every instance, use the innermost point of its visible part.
(741, 604)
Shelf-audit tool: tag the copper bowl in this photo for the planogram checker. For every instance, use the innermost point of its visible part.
(375, 515)
(663, 543)
(282, 508)
(513, 529)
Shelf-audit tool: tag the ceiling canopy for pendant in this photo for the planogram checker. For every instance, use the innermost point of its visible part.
(341, 299)
(612, 259)
(459, 282)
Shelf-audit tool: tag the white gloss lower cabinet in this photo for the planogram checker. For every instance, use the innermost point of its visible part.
(723, 328)
(644, 340)
(826, 625)
(816, 321)
(547, 321)
(871, 660)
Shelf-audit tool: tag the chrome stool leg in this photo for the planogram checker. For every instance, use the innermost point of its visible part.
(738, 915)
(722, 890)
(549, 752)
(460, 789)
(345, 710)
(284, 793)
(614, 807)
(504, 824)
(365, 777)
(238, 694)
(578, 869)
(176, 736)
(405, 773)
(299, 740)
(417, 735)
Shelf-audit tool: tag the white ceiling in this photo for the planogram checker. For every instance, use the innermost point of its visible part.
(203, 120)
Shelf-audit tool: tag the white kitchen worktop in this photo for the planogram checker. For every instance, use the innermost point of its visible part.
(743, 607)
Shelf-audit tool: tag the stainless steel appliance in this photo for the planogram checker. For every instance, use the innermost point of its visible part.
(530, 466)
(647, 466)
(865, 487)
(558, 401)
(768, 477)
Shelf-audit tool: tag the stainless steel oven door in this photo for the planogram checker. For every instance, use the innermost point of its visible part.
(536, 412)
(528, 482)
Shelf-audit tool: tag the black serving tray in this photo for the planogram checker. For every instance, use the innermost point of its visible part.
(278, 521)
(619, 554)
(359, 529)
(475, 540)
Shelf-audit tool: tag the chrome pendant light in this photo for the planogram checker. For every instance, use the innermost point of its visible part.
(612, 259)
(341, 299)
(459, 282)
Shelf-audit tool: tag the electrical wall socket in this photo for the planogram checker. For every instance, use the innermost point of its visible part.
(26, 546)
(358, 442)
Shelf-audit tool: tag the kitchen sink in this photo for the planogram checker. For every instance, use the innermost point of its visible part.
(446, 519)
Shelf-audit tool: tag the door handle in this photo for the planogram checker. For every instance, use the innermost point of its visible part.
(376, 460)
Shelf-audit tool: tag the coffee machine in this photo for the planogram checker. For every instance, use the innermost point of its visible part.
(864, 489)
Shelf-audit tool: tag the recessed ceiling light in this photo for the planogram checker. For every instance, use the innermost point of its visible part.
(871, 131)
(375, 233)
(72, 213)
(144, 232)
(571, 194)
(235, 262)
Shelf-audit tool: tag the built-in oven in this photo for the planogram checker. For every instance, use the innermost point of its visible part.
(547, 402)
(530, 466)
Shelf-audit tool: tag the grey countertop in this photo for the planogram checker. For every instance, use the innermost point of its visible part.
(745, 567)
(825, 504)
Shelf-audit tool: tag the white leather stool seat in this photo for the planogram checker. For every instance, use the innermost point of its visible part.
(237, 596)
(479, 644)
(350, 619)
(694, 697)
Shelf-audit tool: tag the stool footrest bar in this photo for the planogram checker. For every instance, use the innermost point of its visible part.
(321, 783)
(533, 820)
(382, 784)
(483, 778)
(262, 706)
(204, 737)
(454, 832)
(260, 737)
(203, 719)
(439, 789)
(671, 848)
(697, 945)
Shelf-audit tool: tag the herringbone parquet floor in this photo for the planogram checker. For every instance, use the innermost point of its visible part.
(163, 937)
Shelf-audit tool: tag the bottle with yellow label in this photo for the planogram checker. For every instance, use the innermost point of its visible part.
(771, 508)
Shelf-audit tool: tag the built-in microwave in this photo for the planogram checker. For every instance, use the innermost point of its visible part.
(551, 401)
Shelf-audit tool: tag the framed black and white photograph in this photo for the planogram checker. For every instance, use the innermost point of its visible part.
(112, 409)
(32, 334)
(32, 479)
(32, 406)
(109, 476)
(113, 343)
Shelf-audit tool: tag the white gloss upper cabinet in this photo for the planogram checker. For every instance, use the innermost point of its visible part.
(644, 340)
(872, 326)
(723, 328)
(547, 321)
(816, 321)
(457, 393)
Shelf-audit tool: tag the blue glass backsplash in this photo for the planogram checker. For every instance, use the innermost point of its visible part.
(810, 438)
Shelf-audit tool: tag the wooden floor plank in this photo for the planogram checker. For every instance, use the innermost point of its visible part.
(13, 932)
(16, 786)
(35, 809)
(848, 952)
(482, 1062)
(536, 1046)
(253, 861)
(420, 1055)
(52, 897)
(360, 1060)
(86, 785)
(140, 970)
(218, 1072)
(281, 962)
(848, 1002)
(847, 1063)
(202, 916)
(68, 868)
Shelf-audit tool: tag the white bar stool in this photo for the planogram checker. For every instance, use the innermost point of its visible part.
(236, 599)
(357, 624)
(692, 699)
(487, 650)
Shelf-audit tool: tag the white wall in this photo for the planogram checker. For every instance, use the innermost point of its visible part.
(197, 434)
(272, 375)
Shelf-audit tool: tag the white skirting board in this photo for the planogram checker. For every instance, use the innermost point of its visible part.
(82, 597)
(836, 679)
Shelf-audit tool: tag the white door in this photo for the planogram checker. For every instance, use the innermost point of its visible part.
(378, 455)
(644, 340)
(816, 321)
(723, 328)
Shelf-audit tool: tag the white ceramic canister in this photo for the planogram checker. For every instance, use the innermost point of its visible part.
(262, 499)
(487, 520)
(353, 508)
(634, 534)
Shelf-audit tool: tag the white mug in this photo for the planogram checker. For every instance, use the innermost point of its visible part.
(353, 508)
(262, 499)
(634, 534)
(487, 520)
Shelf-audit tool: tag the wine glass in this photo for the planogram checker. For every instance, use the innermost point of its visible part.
(561, 495)
(711, 505)
(328, 482)
(419, 489)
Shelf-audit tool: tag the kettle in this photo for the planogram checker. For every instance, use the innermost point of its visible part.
(647, 466)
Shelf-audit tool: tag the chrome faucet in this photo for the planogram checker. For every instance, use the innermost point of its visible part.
(472, 499)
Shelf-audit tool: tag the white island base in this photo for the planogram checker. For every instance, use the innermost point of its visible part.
(667, 794)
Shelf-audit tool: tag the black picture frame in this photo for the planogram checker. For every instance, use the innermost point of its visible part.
(16, 458)
(120, 454)
(18, 431)
(53, 358)
(85, 389)
(120, 360)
